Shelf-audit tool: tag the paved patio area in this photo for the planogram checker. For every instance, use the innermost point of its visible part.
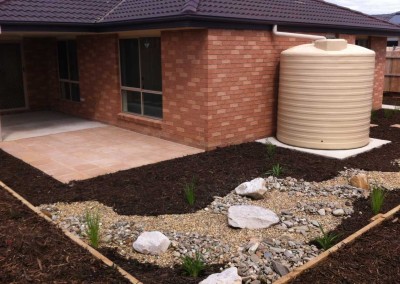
(87, 153)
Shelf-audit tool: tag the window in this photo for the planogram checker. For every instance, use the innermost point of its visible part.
(68, 70)
(141, 82)
(364, 42)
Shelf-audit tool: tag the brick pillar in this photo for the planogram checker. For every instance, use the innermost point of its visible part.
(378, 44)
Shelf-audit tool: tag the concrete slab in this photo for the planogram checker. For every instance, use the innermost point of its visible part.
(390, 107)
(40, 123)
(83, 154)
(337, 154)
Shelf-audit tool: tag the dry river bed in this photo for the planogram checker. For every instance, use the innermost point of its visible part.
(301, 206)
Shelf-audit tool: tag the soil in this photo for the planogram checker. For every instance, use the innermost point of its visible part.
(34, 251)
(391, 99)
(159, 188)
(372, 258)
(146, 272)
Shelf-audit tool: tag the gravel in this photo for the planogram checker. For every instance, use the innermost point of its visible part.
(260, 255)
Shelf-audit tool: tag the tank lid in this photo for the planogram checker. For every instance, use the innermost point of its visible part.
(331, 44)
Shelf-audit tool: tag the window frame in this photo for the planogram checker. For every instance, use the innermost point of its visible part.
(68, 81)
(135, 89)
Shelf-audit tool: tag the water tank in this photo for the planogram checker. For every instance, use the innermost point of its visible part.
(325, 95)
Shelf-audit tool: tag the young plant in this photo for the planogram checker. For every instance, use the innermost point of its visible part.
(190, 193)
(377, 198)
(93, 227)
(270, 150)
(276, 171)
(389, 113)
(193, 266)
(327, 240)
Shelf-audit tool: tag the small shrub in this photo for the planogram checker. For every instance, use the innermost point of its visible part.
(193, 266)
(327, 240)
(377, 198)
(389, 113)
(276, 171)
(93, 227)
(190, 193)
(270, 150)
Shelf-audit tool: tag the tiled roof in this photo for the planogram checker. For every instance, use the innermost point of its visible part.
(394, 18)
(289, 12)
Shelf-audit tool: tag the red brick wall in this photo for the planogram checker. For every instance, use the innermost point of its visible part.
(219, 86)
(185, 86)
(378, 44)
(40, 71)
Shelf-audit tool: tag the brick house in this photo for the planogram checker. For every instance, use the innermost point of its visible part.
(199, 72)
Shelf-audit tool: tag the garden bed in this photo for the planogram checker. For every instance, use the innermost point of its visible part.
(152, 198)
(373, 257)
(158, 188)
(32, 250)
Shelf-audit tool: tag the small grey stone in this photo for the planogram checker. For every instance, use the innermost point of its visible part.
(322, 212)
(267, 255)
(254, 258)
(288, 253)
(314, 223)
(280, 268)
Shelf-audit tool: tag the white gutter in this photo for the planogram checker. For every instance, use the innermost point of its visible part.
(314, 37)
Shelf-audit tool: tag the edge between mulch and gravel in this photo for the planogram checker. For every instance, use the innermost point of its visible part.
(75, 239)
(376, 220)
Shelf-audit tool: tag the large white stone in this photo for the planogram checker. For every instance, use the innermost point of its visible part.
(251, 217)
(254, 188)
(154, 243)
(228, 276)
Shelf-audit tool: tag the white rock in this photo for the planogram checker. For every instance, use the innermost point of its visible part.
(322, 212)
(254, 188)
(154, 243)
(228, 276)
(251, 217)
(338, 212)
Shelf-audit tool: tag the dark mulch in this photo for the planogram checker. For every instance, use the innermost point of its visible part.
(34, 251)
(158, 188)
(372, 258)
(153, 274)
(391, 99)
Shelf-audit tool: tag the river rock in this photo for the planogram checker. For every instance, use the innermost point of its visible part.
(254, 188)
(360, 181)
(228, 276)
(338, 212)
(280, 268)
(251, 217)
(154, 243)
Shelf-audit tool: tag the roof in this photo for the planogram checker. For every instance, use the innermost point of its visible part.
(394, 18)
(102, 15)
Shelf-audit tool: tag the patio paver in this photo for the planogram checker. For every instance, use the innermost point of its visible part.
(88, 153)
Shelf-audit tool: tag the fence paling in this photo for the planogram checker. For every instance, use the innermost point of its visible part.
(392, 72)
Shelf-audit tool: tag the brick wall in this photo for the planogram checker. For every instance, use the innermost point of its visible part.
(40, 71)
(185, 86)
(378, 44)
(220, 87)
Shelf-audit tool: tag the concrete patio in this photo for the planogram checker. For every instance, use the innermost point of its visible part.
(81, 149)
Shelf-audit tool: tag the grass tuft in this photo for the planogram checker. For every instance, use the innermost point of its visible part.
(92, 219)
(276, 171)
(377, 199)
(270, 150)
(193, 266)
(190, 192)
(327, 240)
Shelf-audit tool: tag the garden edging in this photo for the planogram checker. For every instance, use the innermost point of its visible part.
(75, 239)
(376, 220)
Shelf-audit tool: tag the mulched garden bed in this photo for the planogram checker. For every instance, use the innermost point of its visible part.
(158, 188)
(32, 250)
(153, 274)
(391, 99)
(373, 258)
